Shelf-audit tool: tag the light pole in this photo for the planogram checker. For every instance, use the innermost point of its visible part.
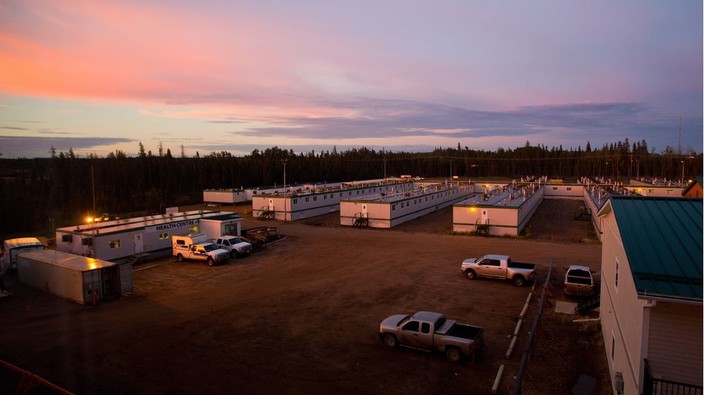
(284, 161)
(682, 181)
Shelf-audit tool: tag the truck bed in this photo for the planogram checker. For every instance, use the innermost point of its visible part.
(464, 331)
(521, 265)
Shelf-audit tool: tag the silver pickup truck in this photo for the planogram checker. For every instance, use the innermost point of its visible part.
(430, 331)
(500, 267)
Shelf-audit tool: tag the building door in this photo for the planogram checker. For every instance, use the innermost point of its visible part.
(364, 211)
(485, 217)
(138, 244)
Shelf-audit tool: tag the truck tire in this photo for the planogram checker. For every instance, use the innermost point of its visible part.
(210, 261)
(179, 257)
(470, 274)
(518, 280)
(389, 340)
(453, 354)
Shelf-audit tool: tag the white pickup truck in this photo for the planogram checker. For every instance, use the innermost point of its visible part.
(500, 267)
(237, 246)
(431, 331)
(197, 247)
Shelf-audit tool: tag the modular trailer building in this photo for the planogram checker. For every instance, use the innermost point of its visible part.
(300, 203)
(81, 279)
(386, 210)
(501, 212)
(226, 196)
(121, 239)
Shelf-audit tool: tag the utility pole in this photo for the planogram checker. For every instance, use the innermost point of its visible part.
(92, 184)
(284, 161)
(679, 138)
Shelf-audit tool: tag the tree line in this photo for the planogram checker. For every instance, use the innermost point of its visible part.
(43, 193)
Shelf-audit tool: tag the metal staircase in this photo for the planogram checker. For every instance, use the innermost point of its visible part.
(482, 228)
(265, 213)
(360, 221)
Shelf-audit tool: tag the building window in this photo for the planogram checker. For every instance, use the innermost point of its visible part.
(569, 188)
(163, 236)
(613, 347)
(616, 277)
(554, 188)
(193, 229)
(315, 198)
(114, 243)
(393, 207)
(295, 201)
(307, 200)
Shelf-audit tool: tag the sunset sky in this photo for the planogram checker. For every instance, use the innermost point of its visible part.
(100, 76)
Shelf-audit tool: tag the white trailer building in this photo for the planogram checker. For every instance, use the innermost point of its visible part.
(224, 196)
(309, 201)
(503, 211)
(386, 210)
(81, 279)
(121, 239)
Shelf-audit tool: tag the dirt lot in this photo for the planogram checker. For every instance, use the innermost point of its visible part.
(301, 317)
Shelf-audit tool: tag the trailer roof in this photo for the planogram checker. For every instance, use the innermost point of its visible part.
(64, 259)
(127, 224)
(22, 242)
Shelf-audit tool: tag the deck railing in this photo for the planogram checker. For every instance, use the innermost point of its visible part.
(655, 386)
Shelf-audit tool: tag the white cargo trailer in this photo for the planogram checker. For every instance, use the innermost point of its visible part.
(81, 279)
(12, 247)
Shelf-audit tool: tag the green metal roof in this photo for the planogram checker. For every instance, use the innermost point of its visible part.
(663, 242)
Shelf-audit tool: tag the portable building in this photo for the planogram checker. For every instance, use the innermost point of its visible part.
(226, 224)
(386, 210)
(229, 196)
(504, 211)
(121, 239)
(81, 279)
(313, 200)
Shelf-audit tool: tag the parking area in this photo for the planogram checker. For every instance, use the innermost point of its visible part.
(301, 316)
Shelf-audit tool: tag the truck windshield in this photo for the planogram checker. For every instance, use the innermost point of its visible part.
(210, 247)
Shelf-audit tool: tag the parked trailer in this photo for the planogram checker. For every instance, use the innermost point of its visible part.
(12, 247)
(81, 279)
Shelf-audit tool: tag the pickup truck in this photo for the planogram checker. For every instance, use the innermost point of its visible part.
(237, 246)
(579, 281)
(500, 267)
(195, 246)
(431, 331)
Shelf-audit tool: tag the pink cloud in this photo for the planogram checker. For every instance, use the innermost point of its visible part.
(134, 51)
